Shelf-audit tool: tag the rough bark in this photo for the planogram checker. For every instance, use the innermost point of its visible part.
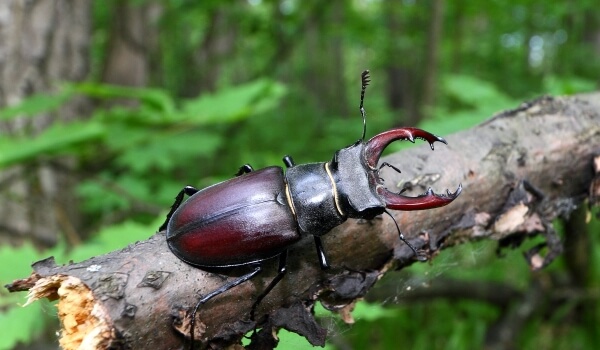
(519, 170)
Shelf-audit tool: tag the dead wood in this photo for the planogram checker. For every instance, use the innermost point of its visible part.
(519, 170)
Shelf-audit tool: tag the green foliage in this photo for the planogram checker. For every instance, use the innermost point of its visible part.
(555, 85)
(157, 137)
(35, 105)
(133, 158)
(292, 341)
(458, 325)
(469, 101)
(439, 323)
(19, 324)
(112, 238)
(233, 104)
(149, 99)
(54, 140)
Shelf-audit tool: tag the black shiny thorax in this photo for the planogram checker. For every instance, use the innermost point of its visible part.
(323, 195)
(313, 195)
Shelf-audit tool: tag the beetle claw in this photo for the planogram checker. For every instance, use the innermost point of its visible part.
(427, 200)
(375, 146)
(372, 152)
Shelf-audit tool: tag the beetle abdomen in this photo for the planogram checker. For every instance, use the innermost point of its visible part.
(234, 222)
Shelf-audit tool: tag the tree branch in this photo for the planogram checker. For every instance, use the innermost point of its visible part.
(519, 170)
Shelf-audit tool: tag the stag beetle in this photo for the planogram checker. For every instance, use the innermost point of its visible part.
(260, 214)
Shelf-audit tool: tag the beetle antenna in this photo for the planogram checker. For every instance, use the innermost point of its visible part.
(365, 80)
(419, 256)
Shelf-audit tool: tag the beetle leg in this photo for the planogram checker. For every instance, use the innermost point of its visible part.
(427, 200)
(321, 254)
(244, 169)
(288, 161)
(389, 166)
(213, 294)
(280, 273)
(379, 179)
(190, 191)
(401, 236)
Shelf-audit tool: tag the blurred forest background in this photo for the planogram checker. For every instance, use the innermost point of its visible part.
(108, 108)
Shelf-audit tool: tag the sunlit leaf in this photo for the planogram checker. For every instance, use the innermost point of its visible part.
(165, 151)
(232, 103)
(475, 92)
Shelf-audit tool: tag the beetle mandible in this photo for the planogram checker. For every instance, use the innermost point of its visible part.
(259, 215)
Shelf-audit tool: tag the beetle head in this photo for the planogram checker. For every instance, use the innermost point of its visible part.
(372, 152)
(360, 193)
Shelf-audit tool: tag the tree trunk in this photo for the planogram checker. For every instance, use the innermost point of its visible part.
(132, 38)
(430, 80)
(219, 42)
(338, 103)
(402, 81)
(519, 171)
(43, 43)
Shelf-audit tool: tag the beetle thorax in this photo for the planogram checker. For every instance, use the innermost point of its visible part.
(323, 195)
(313, 197)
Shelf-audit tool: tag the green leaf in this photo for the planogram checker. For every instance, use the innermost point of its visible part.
(35, 105)
(234, 103)
(9, 256)
(96, 198)
(165, 151)
(55, 138)
(370, 312)
(154, 98)
(113, 238)
(478, 93)
(291, 340)
(126, 135)
(556, 85)
(20, 324)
